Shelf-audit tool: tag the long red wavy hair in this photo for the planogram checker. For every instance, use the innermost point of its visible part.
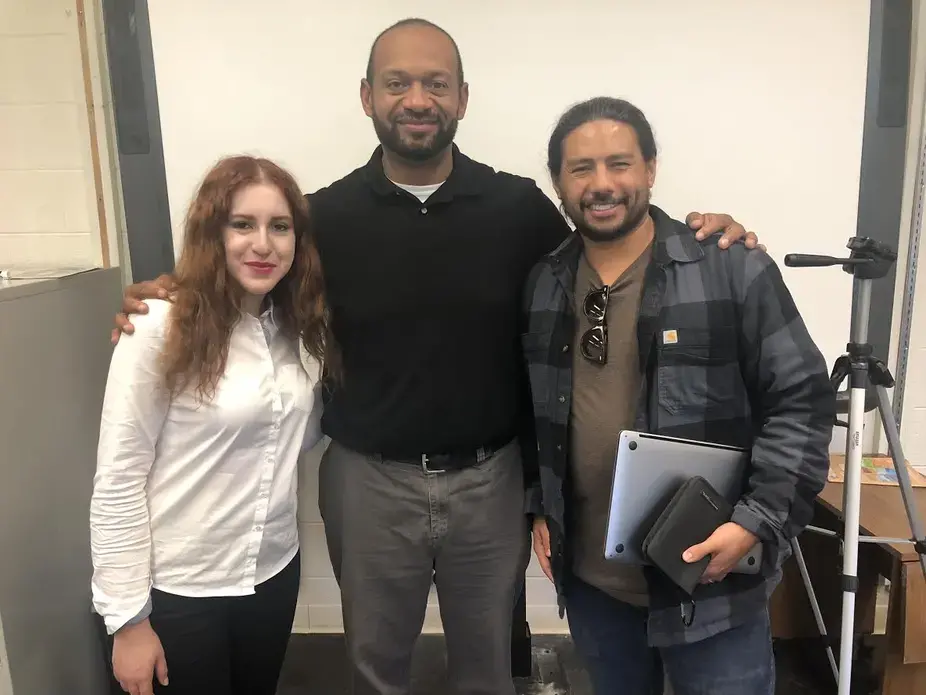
(207, 304)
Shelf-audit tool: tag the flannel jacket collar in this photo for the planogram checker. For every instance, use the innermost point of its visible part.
(673, 241)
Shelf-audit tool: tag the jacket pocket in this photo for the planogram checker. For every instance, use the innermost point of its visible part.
(698, 370)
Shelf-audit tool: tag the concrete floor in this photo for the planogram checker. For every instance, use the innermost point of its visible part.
(315, 665)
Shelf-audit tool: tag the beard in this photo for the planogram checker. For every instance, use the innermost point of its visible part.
(418, 147)
(636, 208)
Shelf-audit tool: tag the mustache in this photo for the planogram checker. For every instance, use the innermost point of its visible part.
(411, 119)
(605, 199)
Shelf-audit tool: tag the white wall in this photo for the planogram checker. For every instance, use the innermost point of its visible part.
(757, 108)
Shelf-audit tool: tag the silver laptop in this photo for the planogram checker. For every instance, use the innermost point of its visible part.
(649, 469)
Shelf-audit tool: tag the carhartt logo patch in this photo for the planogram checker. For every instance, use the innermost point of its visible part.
(669, 337)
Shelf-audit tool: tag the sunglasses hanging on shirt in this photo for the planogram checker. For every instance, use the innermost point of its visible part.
(594, 342)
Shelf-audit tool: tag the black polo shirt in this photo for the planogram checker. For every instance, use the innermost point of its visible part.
(425, 304)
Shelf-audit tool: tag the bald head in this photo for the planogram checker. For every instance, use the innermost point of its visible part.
(411, 39)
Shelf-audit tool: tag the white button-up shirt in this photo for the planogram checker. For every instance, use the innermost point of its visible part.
(198, 499)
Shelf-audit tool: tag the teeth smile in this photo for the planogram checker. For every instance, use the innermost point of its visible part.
(603, 206)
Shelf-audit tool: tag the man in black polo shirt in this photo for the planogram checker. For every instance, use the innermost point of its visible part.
(425, 253)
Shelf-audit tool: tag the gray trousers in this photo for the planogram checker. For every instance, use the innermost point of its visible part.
(391, 529)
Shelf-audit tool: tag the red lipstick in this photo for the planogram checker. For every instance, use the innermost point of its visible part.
(260, 267)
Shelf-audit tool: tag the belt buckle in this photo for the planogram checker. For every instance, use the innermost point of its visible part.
(424, 466)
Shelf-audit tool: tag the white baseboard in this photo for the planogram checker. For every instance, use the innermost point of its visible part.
(543, 620)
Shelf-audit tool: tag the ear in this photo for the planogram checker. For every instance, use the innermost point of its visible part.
(556, 189)
(366, 97)
(464, 100)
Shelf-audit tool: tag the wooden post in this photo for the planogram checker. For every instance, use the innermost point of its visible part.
(94, 139)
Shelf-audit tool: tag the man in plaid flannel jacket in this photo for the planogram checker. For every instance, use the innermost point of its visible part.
(632, 324)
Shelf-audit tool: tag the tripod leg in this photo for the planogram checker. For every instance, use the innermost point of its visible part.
(814, 606)
(851, 504)
(903, 477)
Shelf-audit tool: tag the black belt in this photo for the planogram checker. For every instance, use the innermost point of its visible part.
(440, 463)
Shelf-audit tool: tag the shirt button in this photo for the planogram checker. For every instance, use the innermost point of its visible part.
(562, 399)
(424, 211)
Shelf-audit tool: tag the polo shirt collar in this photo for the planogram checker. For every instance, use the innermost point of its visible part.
(466, 177)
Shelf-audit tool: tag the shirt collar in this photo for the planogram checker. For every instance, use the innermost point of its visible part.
(674, 240)
(268, 318)
(466, 177)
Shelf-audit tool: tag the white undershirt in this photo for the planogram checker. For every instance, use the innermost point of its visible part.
(198, 499)
(420, 192)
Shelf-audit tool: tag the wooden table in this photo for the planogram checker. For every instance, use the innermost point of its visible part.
(882, 514)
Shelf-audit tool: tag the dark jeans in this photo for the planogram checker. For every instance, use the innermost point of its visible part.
(392, 529)
(611, 638)
(225, 645)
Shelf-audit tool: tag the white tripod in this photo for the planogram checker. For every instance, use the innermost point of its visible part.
(869, 380)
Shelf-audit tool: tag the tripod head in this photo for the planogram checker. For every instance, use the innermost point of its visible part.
(869, 259)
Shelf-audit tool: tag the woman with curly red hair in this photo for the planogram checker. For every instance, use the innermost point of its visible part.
(208, 406)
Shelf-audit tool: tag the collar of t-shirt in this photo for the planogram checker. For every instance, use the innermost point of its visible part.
(420, 192)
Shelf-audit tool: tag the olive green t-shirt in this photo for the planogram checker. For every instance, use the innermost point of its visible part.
(603, 403)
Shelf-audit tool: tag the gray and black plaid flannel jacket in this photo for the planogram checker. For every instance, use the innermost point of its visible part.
(726, 358)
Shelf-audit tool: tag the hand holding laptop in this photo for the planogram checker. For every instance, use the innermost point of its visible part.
(726, 546)
(653, 473)
(693, 541)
